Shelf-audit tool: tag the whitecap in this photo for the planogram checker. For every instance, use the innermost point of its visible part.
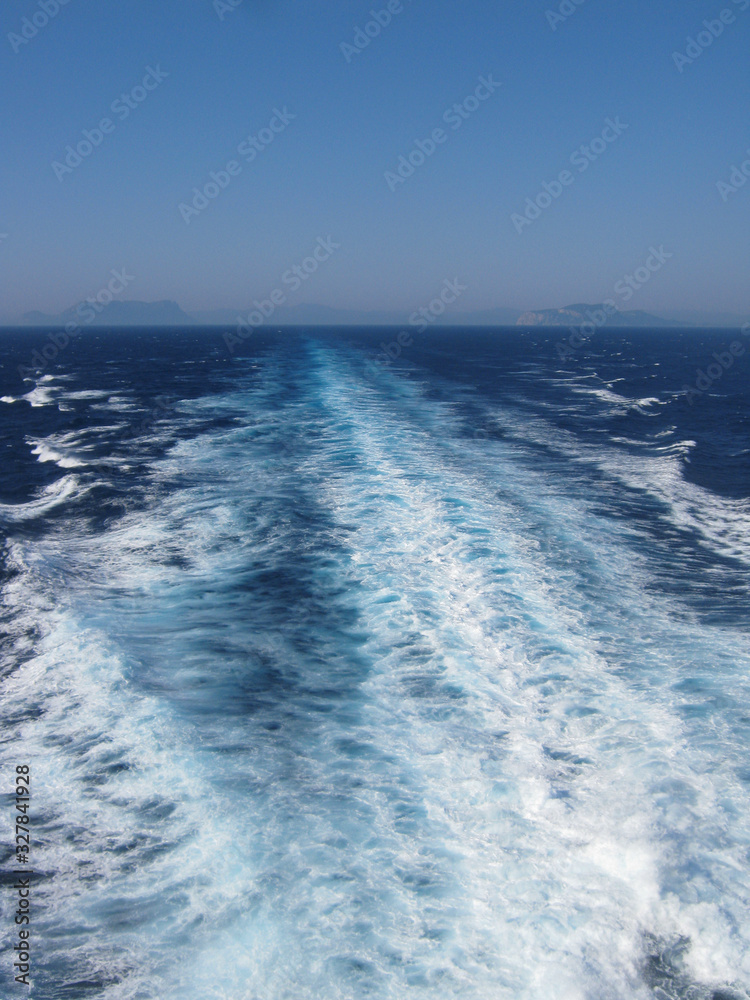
(46, 454)
(40, 396)
(50, 498)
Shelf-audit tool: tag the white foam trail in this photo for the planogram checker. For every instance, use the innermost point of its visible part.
(47, 454)
(119, 404)
(86, 394)
(620, 403)
(133, 839)
(55, 494)
(605, 832)
(67, 450)
(499, 799)
(723, 523)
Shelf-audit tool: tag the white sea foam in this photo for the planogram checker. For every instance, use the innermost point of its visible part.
(47, 454)
(40, 396)
(455, 763)
(622, 403)
(75, 449)
(603, 823)
(723, 523)
(86, 394)
(51, 497)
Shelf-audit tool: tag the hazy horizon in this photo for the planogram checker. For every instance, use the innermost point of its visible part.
(513, 149)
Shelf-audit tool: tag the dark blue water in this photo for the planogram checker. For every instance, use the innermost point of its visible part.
(345, 679)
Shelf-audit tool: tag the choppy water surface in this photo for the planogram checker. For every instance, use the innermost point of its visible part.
(341, 679)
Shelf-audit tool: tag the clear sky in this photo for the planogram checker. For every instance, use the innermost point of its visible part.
(220, 74)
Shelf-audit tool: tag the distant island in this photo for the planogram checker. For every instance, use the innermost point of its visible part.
(169, 313)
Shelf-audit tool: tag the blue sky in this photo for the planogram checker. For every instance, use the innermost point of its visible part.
(224, 73)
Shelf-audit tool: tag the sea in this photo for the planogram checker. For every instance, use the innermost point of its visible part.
(347, 667)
